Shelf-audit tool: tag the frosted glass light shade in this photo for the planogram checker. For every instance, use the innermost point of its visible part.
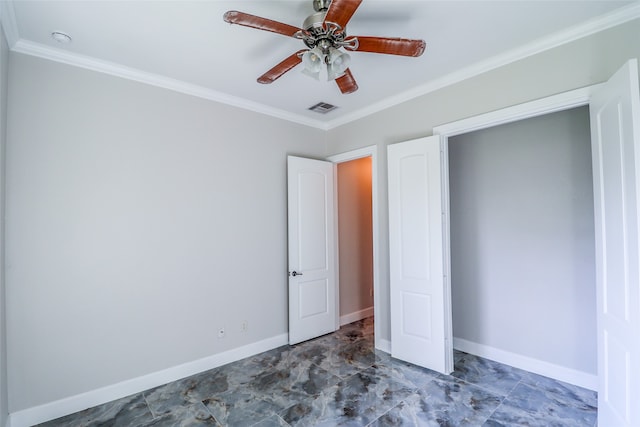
(338, 63)
(313, 60)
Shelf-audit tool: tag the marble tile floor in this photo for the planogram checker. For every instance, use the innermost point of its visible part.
(340, 380)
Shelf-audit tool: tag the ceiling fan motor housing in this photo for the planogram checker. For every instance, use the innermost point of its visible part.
(314, 21)
(320, 33)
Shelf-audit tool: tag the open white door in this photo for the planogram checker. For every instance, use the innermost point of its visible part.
(312, 265)
(615, 140)
(420, 331)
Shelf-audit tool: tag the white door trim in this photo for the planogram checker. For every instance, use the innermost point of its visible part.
(539, 107)
(370, 151)
(564, 101)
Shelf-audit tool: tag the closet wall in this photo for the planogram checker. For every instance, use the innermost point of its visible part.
(522, 239)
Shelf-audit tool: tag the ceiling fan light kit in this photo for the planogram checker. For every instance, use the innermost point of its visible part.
(336, 63)
(324, 34)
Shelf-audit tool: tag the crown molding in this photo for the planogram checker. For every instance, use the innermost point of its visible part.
(118, 70)
(593, 26)
(8, 22)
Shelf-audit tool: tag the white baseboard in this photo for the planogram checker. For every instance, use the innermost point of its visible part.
(557, 372)
(356, 315)
(383, 345)
(72, 404)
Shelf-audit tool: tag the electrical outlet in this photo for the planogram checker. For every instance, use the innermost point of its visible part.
(244, 326)
(221, 333)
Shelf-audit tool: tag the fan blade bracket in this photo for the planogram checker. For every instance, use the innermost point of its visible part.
(306, 37)
(350, 43)
(334, 31)
(390, 46)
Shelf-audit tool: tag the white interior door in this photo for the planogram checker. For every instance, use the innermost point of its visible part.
(615, 139)
(420, 332)
(312, 251)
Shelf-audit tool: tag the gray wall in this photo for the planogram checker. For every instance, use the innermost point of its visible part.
(522, 239)
(586, 61)
(139, 221)
(355, 235)
(4, 60)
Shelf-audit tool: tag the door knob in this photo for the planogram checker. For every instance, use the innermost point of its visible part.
(295, 273)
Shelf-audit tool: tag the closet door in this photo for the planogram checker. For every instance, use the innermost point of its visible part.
(615, 141)
(420, 329)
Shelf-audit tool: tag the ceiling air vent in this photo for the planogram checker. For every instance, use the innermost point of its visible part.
(322, 108)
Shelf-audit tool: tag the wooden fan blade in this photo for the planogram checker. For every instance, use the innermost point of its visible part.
(341, 11)
(276, 72)
(347, 83)
(252, 21)
(391, 46)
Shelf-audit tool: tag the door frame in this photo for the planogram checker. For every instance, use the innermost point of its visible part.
(370, 151)
(555, 103)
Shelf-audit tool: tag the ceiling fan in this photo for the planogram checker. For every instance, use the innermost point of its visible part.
(324, 33)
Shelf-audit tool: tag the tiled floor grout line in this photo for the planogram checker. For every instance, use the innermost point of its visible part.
(210, 413)
(283, 420)
(144, 396)
(386, 412)
(480, 386)
(520, 381)
(502, 399)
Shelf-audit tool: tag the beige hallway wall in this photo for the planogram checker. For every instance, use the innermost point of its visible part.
(355, 237)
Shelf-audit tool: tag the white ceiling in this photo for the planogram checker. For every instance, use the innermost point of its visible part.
(186, 46)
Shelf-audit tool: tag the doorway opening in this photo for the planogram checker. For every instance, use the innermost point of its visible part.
(556, 103)
(357, 237)
(522, 245)
(355, 240)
